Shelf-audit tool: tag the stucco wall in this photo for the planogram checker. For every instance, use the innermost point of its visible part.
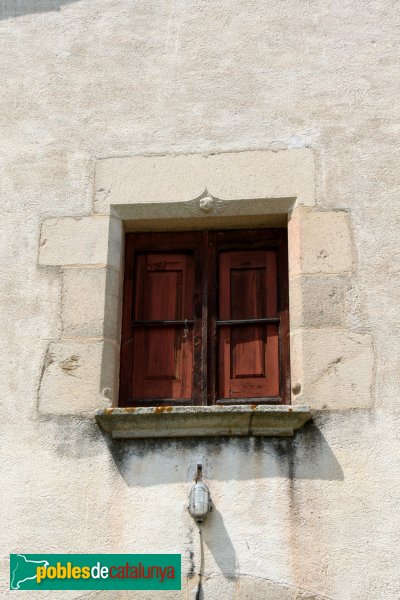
(312, 517)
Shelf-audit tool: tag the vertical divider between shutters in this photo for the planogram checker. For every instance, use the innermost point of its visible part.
(211, 283)
(199, 339)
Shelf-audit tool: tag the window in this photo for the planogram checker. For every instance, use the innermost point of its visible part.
(205, 318)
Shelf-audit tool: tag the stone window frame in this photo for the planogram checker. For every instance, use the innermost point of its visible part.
(331, 365)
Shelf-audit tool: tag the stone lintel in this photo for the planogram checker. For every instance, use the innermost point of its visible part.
(228, 175)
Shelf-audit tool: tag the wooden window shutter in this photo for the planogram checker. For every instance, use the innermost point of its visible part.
(163, 317)
(249, 332)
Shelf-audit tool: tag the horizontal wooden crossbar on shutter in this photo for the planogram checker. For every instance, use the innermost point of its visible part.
(162, 323)
(247, 321)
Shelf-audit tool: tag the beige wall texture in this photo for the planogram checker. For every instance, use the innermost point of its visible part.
(91, 90)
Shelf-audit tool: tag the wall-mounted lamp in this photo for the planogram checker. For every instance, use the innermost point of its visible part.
(200, 501)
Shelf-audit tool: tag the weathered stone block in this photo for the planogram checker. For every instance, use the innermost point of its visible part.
(331, 368)
(304, 595)
(104, 595)
(90, 303)
(85, 241)
(319, 242)
(249, 588)
(317, 301)
(153, 595)
(212, 586)
(78, 378)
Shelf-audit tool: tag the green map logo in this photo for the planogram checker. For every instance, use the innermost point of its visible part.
(95, 571)
(23, 570)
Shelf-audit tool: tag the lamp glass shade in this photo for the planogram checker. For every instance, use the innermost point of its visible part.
(199, 501)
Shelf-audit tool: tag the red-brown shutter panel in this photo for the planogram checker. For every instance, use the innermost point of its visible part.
(248, 352)
(163, 352)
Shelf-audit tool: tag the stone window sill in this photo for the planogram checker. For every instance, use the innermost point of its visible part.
(195, 421)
